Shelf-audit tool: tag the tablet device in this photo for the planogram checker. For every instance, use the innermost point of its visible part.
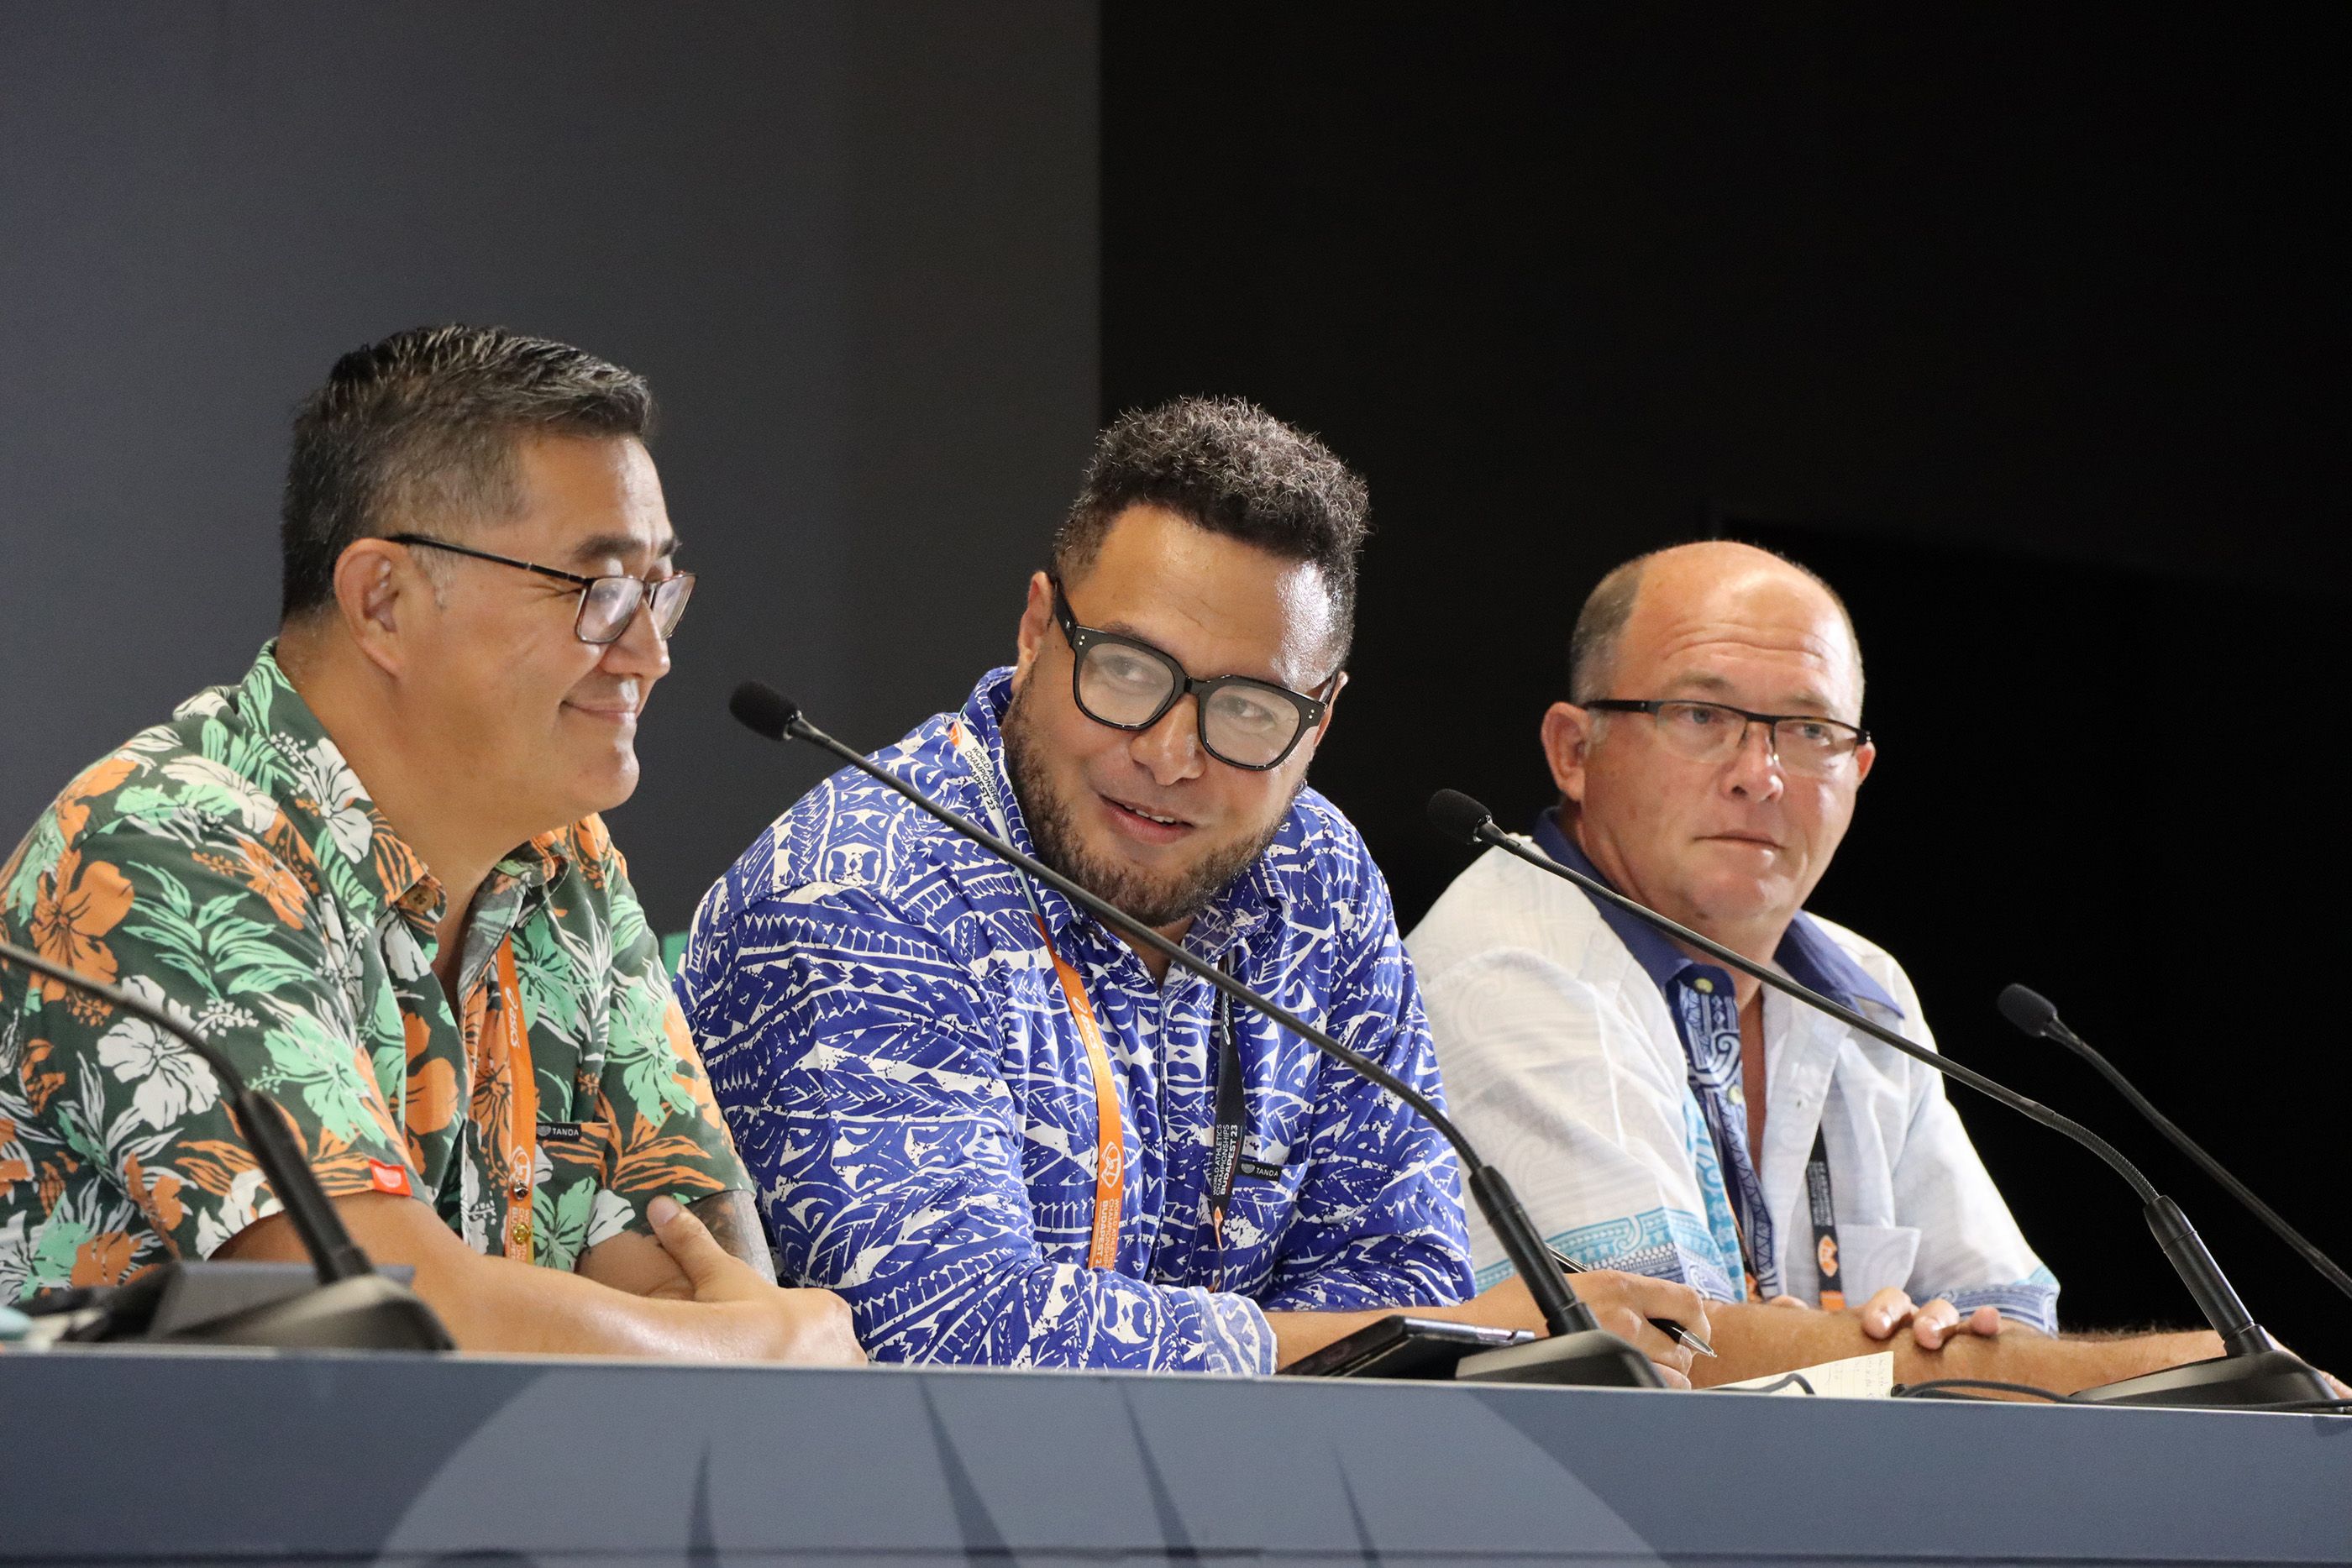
(1403, 1346)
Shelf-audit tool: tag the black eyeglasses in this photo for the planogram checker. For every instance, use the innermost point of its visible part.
(1713, 732)
(607, 604)
(1130, 685)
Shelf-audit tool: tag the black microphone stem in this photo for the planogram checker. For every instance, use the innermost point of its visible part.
(283, 1164)
(2326, 1267)
(2212, 1291)
(1562, 1312)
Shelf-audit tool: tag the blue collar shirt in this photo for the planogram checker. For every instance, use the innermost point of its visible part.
(906, 1081)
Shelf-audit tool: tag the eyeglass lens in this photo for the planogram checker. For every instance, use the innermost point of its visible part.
(608, 604)
(1241, 722)
(1707, 732)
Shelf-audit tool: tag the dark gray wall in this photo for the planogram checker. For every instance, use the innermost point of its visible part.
(853, 246)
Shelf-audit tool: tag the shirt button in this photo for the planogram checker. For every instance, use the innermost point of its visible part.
(1739, 1096)
(1704, 985)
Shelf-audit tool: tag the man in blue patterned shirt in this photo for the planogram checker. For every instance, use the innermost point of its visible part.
(1005, 1135)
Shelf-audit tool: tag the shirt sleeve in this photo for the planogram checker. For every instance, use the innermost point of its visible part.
(1561, 1087)
(1971, 1251)
(1378, 1222)
(223, 928)
(862, 1071)
(664, 1130)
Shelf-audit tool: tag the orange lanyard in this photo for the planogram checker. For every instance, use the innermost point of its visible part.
(522, 1107)
(1110, 1128)
(1110, 1133)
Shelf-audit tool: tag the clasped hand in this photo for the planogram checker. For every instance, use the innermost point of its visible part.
(1932, 1326)
(805, 1327)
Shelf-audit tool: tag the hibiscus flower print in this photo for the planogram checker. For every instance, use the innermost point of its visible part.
(217, 1223)
(104, 1259)
(268, 876)
(157, 1196)
(77, 905)
(213, 787)
(73, 806)
(323, 778)
(172, 1084)
(40, 1081)
(15, 1162)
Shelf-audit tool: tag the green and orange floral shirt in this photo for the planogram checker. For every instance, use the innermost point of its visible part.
(229, 866)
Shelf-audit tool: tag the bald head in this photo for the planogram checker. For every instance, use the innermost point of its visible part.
(1716, 583)
(1714, 824)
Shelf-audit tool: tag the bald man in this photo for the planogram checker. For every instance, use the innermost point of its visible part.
(1660, 1115)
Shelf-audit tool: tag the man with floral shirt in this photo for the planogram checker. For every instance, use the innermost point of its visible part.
(372, 872)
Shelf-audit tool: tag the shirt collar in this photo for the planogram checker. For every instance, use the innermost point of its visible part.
(1813, 959)
(1255, 893)
(1807, 953)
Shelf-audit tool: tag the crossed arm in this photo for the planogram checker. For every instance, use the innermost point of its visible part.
(643, 1266)
(680, 1293)
(1933, 1341)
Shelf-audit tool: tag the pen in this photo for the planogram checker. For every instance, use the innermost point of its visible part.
(1666, 1326)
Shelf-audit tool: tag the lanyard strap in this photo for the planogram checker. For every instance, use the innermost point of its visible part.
(1823, 1207)
(1110, 1133)
(1821, 1203)
(1742, 1172)
(1111, 1129)
(522, 1107)
(1232, 1114)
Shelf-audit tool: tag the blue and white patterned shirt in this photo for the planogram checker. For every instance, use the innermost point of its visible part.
(905, 1080)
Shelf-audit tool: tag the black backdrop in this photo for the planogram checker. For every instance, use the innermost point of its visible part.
(2023, 325)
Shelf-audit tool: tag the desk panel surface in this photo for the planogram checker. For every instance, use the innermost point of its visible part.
(128, 1456)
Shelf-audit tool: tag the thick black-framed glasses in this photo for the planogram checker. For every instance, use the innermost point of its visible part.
(1713, 732)
(1130, 684)
(607, 604)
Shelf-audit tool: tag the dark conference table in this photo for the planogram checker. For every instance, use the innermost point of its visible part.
(236, 1456)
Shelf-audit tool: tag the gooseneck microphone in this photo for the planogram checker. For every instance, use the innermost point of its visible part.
(2254, 1371)
(2034, 1015)
(1579, 1350)
(354, 1307)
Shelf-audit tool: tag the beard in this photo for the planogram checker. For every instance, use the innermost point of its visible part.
(1157, 901)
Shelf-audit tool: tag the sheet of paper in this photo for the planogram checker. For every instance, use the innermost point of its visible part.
(1855, 1377)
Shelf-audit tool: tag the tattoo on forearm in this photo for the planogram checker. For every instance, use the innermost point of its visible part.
(733, 1219)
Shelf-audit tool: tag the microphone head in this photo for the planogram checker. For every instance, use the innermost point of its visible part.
(763, 709)
(1457, 816)
(2030, 1013)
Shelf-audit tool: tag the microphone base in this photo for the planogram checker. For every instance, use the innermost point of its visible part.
(1594, 1358)
(278, 1306)
(2226, 1382)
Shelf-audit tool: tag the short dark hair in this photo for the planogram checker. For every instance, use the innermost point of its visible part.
(426, 421)
(1227, 466)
